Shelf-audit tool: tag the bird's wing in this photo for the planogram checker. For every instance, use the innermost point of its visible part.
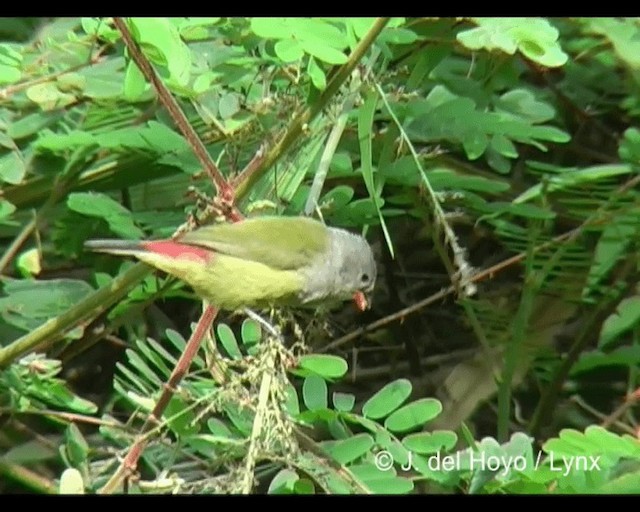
(285, 243)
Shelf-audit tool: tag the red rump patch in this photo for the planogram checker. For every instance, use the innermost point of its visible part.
(177, 250)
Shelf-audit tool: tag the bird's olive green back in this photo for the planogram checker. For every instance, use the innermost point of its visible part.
(285, 243)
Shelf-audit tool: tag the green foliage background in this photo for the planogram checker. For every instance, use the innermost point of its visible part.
(456, 145)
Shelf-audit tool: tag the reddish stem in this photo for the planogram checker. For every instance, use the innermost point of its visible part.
(130, 462)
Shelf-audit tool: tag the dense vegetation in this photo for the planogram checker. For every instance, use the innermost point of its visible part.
(492, 163)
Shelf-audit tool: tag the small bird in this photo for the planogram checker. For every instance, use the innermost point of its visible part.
(262, 262)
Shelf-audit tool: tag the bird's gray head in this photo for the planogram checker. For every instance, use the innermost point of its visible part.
(349, 267)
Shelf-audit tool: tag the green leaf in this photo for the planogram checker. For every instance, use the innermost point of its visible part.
(623, 356)
(76, 446)
(103, 207)
(413, 415)
(142, 368)
(289, 50)
(26, 303)
(318, 78)
(28, 263)
(341, 165)
(161, 35)
(156, 355)
(522, 103)
(196, 28)
(390, 485)
(304, 486)
(626, 317)
(612, 246)
(104, 80)
(314, 393)
(624, 484)
(176, 339)
(6, 141)
(155, 137)
(99, 27)
(343, 402)
(283, 482)
(180, 418)
(475, 144)
(351, 449)
(629, 149)
(319, 31)
(445, 116)
(272, 28)
(430, 442)
(251, 333)
(324, 365)
(337, 198)
(504, 146)
(134, 82)
(32, 123)
(534, 37)
(228, 106)
(397, 36)
(387, 400)
(291, 404)
(212, 446)
(399, 454)
(623, 34)
(323, 52)
(12, 167)
(10, 63)
(361, 25)
(228, 340)
(6, 209)
(531, 211)
(9, 74)
(314, 36)
(60, 143)
(48, 96)
(572, 177)
(218, 428)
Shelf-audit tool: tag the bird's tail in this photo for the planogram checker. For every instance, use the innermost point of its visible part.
(124, 247)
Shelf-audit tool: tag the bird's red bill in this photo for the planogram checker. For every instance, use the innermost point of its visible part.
(176, 250)
(360, 301)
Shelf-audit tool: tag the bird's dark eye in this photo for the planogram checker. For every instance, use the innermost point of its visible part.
(364, 278)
